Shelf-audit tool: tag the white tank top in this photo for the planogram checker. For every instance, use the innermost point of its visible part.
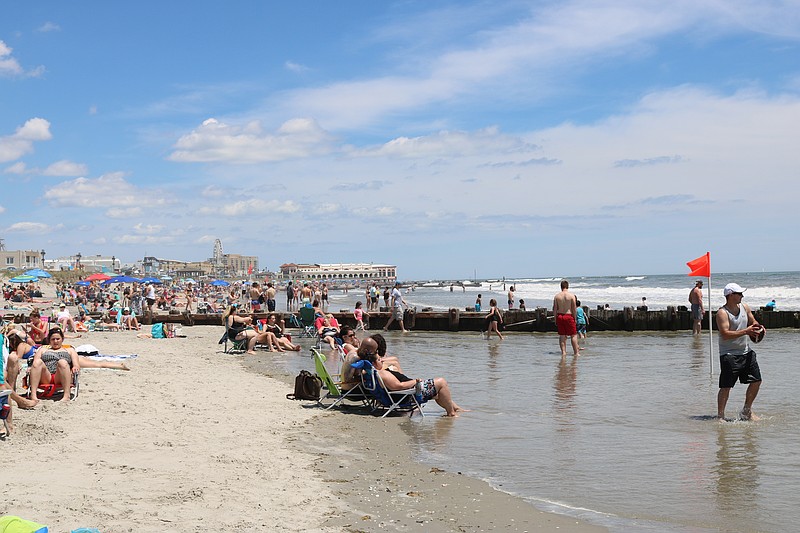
(738, 345)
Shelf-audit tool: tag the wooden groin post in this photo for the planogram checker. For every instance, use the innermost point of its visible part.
(453, 319)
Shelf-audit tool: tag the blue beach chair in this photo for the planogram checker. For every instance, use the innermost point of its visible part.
(406, 400)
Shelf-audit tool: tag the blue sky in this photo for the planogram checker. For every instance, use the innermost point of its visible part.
(448, 138)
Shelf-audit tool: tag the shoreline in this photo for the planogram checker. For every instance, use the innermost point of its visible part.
(384, 486)
(192, 439)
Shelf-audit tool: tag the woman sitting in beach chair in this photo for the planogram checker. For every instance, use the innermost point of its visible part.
(328, 333)
(54, 364)
(241, 328)
(128, 320)
(283, 341)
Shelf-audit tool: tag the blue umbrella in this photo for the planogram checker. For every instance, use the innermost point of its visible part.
(24, 278)
(120, 279)
(83, 283)
(151, 280)
(220, 283)
(39, 273)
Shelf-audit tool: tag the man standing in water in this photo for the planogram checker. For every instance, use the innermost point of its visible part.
(397, 308)
(736, 324)
(565, 309)
(511, 298)
(696, 299)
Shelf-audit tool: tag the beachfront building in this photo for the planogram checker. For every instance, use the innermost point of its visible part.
(239, 265)
(86, 263)
(157, 267)
(20, 259)
(340, 272)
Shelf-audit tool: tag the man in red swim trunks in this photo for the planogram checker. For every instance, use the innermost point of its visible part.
(565, 310)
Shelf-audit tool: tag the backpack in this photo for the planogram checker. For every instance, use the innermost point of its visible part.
(307, 386)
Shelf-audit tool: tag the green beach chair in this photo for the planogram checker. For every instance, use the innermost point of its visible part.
(355, 394)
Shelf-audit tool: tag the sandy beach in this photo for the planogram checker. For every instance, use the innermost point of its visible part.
(192, 439)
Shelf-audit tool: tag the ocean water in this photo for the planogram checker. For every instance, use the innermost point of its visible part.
(617, 291)
(623, 435)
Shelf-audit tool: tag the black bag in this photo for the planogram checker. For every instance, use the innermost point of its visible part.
(307, 386)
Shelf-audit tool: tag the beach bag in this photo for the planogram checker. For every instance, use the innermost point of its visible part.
(157, 330)
(307, 386)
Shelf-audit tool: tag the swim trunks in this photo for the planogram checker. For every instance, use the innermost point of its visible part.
(427, 390)
(744, 367)
(696, 314)
(565, 323)
(397, 313)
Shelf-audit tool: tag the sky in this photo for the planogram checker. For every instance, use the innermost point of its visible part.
(452, 139)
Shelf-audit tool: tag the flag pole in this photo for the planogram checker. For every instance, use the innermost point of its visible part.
(710, 328)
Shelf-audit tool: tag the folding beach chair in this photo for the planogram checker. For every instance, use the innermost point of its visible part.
(307, 318)
(237, 346)
(332, 385)
(400, 400)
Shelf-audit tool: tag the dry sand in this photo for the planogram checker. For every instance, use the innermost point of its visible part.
(192, 439)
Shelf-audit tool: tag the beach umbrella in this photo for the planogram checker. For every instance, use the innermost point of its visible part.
(189, 280)
(23, 278)
(98, 277)
(83, 283)
(220, 283)
(120, 279)
(150, 279)
(38, 273)
(166, 278)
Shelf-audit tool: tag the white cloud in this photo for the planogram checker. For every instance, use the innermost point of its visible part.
(148, 229)
(124, 212)
(17, 168)
(253, 206)
(65, 168)
(109, 190)
(212, 191)
(451, 144)
(146, 239)
(527, 58)
(12, 147)
(48, 27)
(9, 66)
(214, 141)
(295, 67)
(2, 209)
(37, 228)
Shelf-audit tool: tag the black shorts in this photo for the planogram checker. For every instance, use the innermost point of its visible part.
(744, 367)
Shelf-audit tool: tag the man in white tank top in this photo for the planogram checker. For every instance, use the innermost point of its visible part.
(735, 323)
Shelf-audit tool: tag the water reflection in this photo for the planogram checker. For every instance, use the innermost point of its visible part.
(699, 353)
(737, 469)
(565, 385)
(493, 375)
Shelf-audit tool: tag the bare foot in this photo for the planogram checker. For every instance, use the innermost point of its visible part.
(250, 352)
(123, 366)
(297, 348)
(24, 403)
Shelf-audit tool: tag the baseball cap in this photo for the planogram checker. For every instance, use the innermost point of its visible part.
(731, 288)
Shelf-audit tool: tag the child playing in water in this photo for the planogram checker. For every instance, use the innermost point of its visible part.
(359, 316)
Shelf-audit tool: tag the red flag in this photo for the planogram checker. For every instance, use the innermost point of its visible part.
(701, 266)
(250, 270)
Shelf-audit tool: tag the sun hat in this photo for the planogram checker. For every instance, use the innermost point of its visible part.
(731, 288)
